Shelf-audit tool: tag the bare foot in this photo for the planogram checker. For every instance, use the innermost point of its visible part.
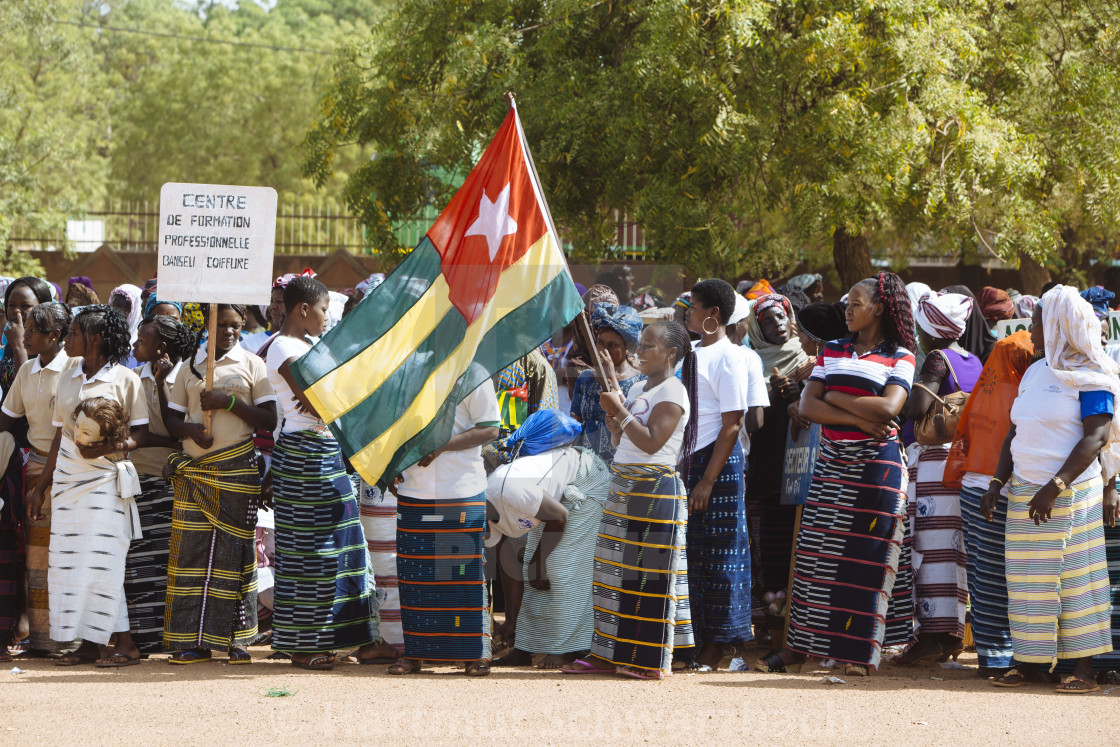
(376, 651)
(555, 661)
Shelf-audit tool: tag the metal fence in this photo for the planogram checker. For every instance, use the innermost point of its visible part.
(133, 226)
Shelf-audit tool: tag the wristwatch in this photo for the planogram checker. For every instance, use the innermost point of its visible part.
(1061, 485)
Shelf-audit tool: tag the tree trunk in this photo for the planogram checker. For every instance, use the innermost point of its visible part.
(852, 257)
(1033, 274)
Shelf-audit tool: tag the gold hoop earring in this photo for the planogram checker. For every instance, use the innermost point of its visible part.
(704, 326)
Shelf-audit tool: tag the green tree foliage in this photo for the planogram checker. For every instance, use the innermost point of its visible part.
(739, 131)
(51, 128)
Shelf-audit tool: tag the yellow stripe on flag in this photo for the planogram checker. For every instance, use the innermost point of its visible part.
(345, 387)
(516, 287)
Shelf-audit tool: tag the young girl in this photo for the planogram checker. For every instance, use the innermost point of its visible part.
(856, 510)
(31, 396)
(212, 569)
(161, 345)
(641, 584)
(324, 598)
(94, 518)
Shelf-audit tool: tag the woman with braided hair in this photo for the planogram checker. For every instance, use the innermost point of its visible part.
(641, 583)
(162, 343)
(92, 487)
(212, 570)
(844, 602)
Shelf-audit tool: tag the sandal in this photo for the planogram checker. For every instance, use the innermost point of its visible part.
(115, 661)
(404, 666)
(1065, 688)
(586, 667)
(1011, 678)
(774, 664)
(479, 668)
(192, 656)
(856, 670)
(644, 674)
(239, 656)
(317, 663)
(73, 660)
(909, 659)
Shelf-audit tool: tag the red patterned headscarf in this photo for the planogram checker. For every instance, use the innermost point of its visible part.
(996, 304)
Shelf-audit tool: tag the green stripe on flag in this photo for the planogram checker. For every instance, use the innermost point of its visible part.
(382, 308)
(520, 331)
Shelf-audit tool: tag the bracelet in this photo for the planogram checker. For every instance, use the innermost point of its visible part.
(232, 402)
(626, 422)
(996, 479)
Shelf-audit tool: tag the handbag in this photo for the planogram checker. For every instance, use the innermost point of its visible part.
(939, 424)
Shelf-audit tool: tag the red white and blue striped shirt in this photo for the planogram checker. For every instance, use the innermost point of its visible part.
(840, 369)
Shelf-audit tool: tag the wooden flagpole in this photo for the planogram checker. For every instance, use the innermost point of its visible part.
(586, 328)
(211, 353)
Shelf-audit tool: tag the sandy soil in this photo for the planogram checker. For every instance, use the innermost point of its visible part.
(155, 703)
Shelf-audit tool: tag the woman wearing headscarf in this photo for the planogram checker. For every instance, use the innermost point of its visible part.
(1024, 306)
(617, 329)
(1057, 574)
(809, 283)
(80, 292)
(977, 338)
(843, 601)
(938, 553)
(126, 300)
(971, 463)
(996, 305)
(771, 332)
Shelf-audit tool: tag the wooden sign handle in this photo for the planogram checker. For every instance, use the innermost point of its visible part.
(211, 353)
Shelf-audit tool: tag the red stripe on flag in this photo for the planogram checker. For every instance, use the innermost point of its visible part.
(490, 224)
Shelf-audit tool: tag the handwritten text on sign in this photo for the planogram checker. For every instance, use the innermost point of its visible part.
(1011, 326)
(216, 243)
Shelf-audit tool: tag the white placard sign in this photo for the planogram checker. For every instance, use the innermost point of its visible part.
(1011, 326)
(216, 243)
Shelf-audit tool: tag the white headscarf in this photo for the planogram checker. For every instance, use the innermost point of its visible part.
(1077, 358)
(943, 315)
(742, 310)
(370, 283)
(915, 291)
(335, 306)
(136, 311)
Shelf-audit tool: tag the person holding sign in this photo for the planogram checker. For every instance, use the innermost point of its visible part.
(940, 578)
(324, 599)
(855, 516)
(212, 571)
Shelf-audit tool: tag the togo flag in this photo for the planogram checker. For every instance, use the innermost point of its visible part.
(486, 285)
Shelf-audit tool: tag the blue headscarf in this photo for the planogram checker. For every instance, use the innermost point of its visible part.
(1099, 299)
(805, 281)
(545, 430)
(622, 319)
(154, 302)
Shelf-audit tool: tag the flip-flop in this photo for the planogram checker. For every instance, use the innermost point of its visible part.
(325, 662)
(239, 657)
(651, 675)
(64, 662)
(1011, 678)
(590, 668)
(1091, 687)
(189, 657)
(128, 661)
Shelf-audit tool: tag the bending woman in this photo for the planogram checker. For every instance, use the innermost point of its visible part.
(1057, 573)
(641, 579)
(93, 516)
(852, 526)
(212, 570)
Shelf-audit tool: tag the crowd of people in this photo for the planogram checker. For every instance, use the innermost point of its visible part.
(622, 490)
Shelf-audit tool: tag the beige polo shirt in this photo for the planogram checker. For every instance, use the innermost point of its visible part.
(239, 373)
(113, 382)
(151, 459)
(32, 396)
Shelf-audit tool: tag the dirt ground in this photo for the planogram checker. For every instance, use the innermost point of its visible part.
(155, 703)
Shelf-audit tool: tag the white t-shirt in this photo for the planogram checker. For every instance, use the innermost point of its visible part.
(517, 490)
(757, 393)
(640, 404)
(722, 385)
(292, 420)
(457, 474)
(1048, 424)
